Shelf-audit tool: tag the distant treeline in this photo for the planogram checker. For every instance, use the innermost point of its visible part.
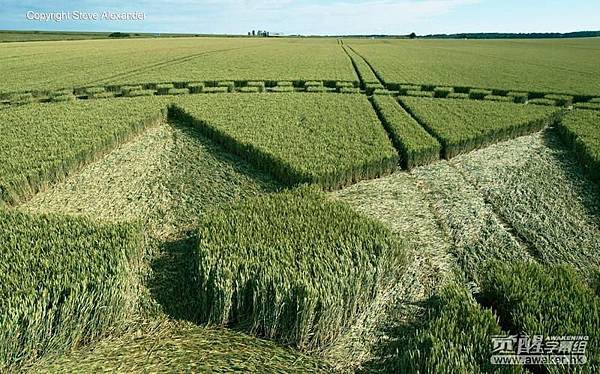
(536, 35)
(479, 35)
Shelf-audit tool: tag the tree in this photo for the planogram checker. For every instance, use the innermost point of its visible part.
(253, 33)
(412, 35)
(119, 35)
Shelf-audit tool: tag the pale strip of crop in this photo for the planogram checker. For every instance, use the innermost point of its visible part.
(397, 201)
(535, 184)
(167, 346)
(41, 144)
(478, 234)
(123, 185)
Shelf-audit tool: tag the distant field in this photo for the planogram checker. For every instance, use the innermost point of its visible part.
(543, 66)
(26, 36)
(564, 65)
(56, 65)
(29, 36)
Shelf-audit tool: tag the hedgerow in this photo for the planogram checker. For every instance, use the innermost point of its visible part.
(42, 143)
(415, 145)
(292, 266)
(330, 140)
(63, 282)
(540, 300)
(464, 125)
(579, 129)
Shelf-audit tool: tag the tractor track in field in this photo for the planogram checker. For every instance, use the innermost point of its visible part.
(162, 64)
(368, 64)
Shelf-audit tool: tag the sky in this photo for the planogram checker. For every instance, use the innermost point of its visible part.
(308, 17)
